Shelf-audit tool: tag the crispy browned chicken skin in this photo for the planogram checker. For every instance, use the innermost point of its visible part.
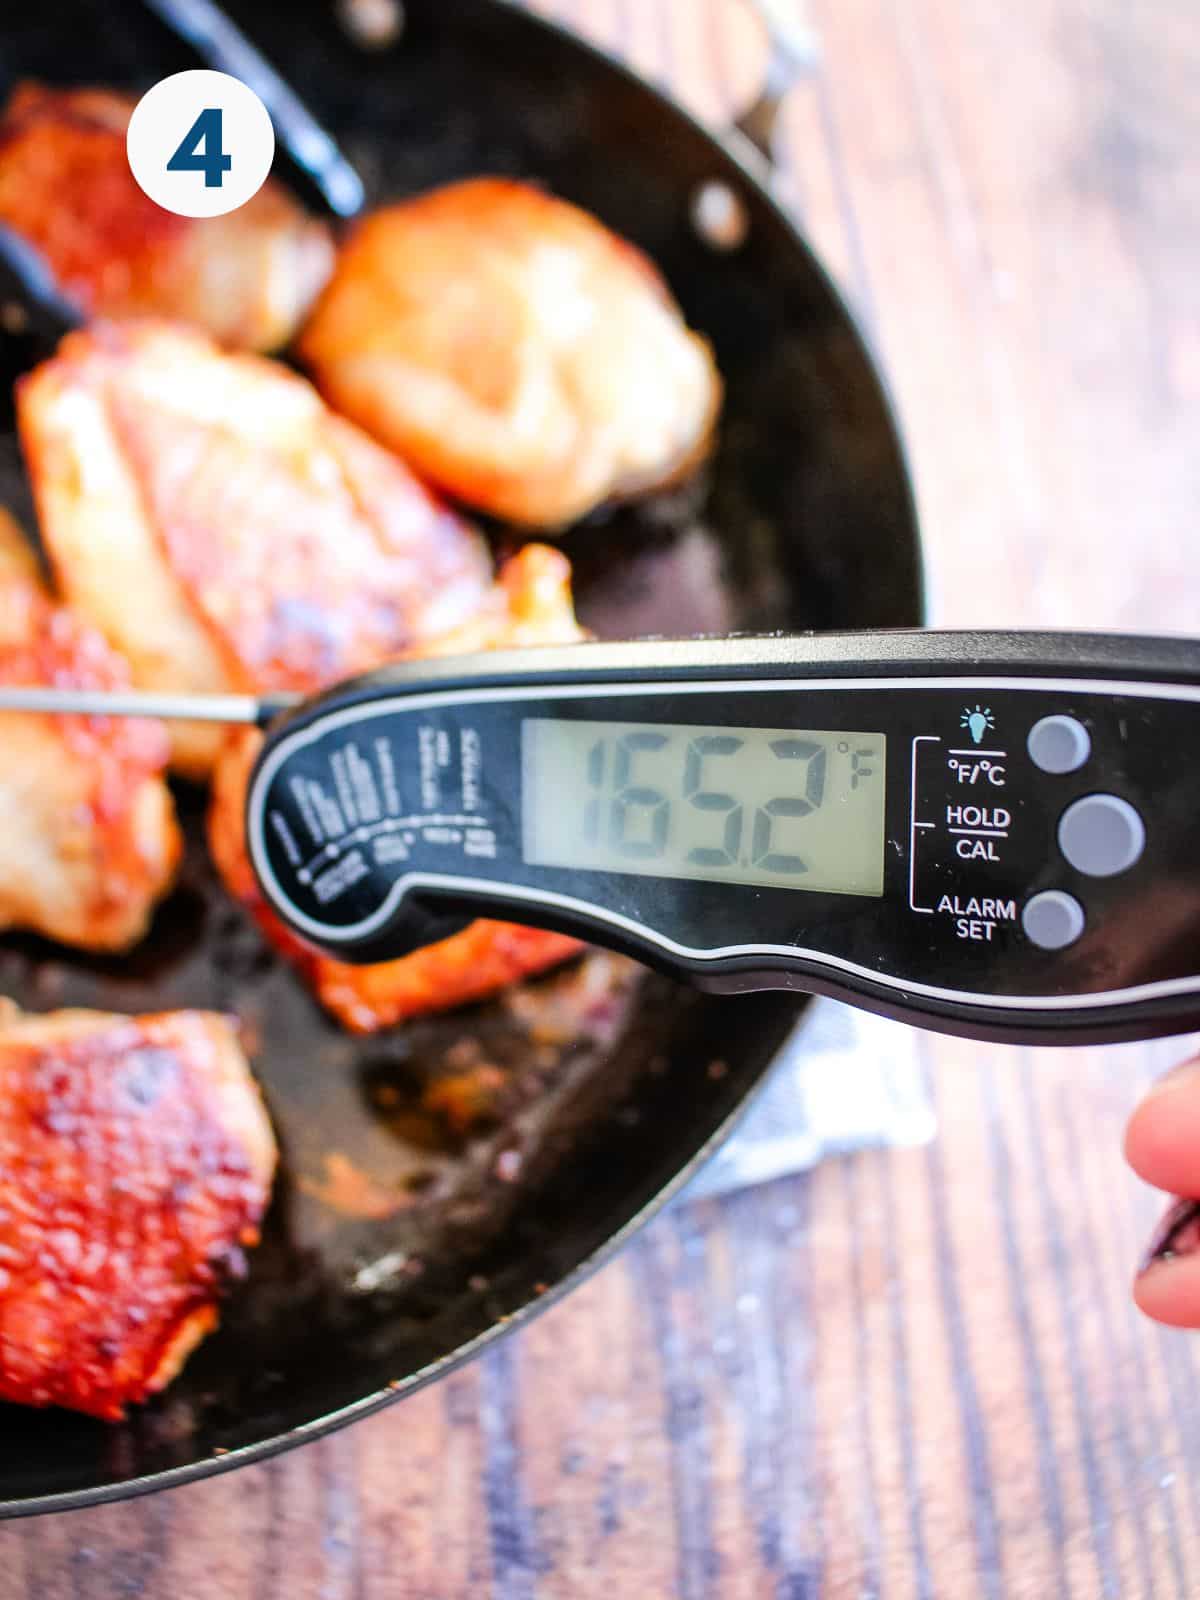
(135, 1166)
(514, 350)
(65, 185)
(88, 838)
(223, 528)
(531, 605)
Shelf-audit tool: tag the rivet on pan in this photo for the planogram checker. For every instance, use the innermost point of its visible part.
(372, 24)
(719, 215)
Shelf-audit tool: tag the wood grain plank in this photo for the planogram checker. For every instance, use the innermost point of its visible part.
(419, 1477)
(1051, 1457)
(710, 54)
(772, 1375)
(596, 1445)
(859, 1383)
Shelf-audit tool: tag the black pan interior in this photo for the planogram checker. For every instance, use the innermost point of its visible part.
(803, 519)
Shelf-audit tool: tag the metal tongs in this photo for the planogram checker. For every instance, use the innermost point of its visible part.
(48, 313)
(26, 281)
(222, 46)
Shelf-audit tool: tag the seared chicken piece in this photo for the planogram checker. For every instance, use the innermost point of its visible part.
(22, 591)
(88, 838)
(223, 528)
(531, 605)
(515, 351)
(135, 1165)
(65, 185)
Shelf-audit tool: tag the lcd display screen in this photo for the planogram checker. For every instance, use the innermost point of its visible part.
(787, 807)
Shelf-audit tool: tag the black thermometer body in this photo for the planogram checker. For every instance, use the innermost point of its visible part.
(990, 834)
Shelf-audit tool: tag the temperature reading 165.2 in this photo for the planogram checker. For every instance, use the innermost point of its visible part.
(635, 818)
(794, 808)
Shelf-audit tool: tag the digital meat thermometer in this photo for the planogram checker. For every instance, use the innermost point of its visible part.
(994, 834)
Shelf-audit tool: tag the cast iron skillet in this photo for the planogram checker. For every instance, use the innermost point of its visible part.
(608, 1092)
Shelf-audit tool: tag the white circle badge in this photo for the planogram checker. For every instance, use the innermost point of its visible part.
(200, 143)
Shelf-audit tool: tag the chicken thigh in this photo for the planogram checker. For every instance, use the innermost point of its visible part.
(88, 837)
(223, 528)
(65, 186)
(515, 351)
(136, 1162)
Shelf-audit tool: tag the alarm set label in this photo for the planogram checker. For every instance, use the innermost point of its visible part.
(977, 918)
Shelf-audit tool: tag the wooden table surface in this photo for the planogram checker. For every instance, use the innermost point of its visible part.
(907, 1374)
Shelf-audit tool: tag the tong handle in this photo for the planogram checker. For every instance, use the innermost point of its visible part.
(224, 47)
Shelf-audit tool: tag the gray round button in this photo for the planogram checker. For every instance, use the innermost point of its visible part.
(1059, 744)
(1053, 919)
(1101, 835)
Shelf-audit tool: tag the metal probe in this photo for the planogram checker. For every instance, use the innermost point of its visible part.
(252, 710)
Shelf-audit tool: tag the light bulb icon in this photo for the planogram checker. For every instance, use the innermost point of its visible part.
(977, 720)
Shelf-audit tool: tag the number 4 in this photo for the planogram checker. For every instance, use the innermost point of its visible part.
(212, 161)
